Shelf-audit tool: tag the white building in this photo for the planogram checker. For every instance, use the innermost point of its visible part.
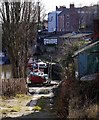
(53, 21)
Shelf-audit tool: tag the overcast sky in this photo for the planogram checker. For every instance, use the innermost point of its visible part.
(50, 5)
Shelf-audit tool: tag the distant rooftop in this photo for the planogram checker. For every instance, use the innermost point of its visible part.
(74, 35)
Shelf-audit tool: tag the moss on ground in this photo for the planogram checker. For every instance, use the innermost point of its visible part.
(42, 103)
(15, 104)
(37, 108)
(22, 96)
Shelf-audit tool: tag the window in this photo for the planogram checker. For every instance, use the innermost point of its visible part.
(67, 16)
(67, 23)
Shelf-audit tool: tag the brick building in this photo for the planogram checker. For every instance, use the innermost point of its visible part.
(63, 19)
(68, 19)
(73, 18)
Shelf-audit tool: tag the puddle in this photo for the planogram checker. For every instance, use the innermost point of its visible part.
(32, 103)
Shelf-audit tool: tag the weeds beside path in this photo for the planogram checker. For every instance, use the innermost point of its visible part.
(18, 107)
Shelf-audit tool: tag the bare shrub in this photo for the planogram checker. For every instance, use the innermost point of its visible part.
(11, 87)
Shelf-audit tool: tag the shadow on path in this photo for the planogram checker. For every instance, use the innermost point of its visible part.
(35, 116)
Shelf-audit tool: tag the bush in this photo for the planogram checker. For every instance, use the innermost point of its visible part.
(11, 87)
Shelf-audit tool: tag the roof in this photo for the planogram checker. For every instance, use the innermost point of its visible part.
(80, 35)
(90, 77)
(74, 35)
(86, 47)
(54, 12)
(63, 12)
(66, 35)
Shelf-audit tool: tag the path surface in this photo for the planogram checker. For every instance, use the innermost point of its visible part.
(47, 94)
(42, 96)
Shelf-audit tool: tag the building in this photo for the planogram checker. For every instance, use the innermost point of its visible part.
(48, 42)
(45, 24)
(72, 19)
(68, 19)
(87, 61)
(63, 19)
(86, 16)
(53, 21)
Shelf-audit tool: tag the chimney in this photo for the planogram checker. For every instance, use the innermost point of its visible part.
(61, 8)
(71, 6)
(56, 8)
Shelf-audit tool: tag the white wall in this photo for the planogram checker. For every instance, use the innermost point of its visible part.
(53, 21)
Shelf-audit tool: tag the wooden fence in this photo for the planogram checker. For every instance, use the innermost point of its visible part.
(13, 86)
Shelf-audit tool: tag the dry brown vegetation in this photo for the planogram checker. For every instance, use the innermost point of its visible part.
(11, 87)
(77, 99)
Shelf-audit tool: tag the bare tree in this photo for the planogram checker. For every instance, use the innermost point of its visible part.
(41, 14)
(19, 29)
